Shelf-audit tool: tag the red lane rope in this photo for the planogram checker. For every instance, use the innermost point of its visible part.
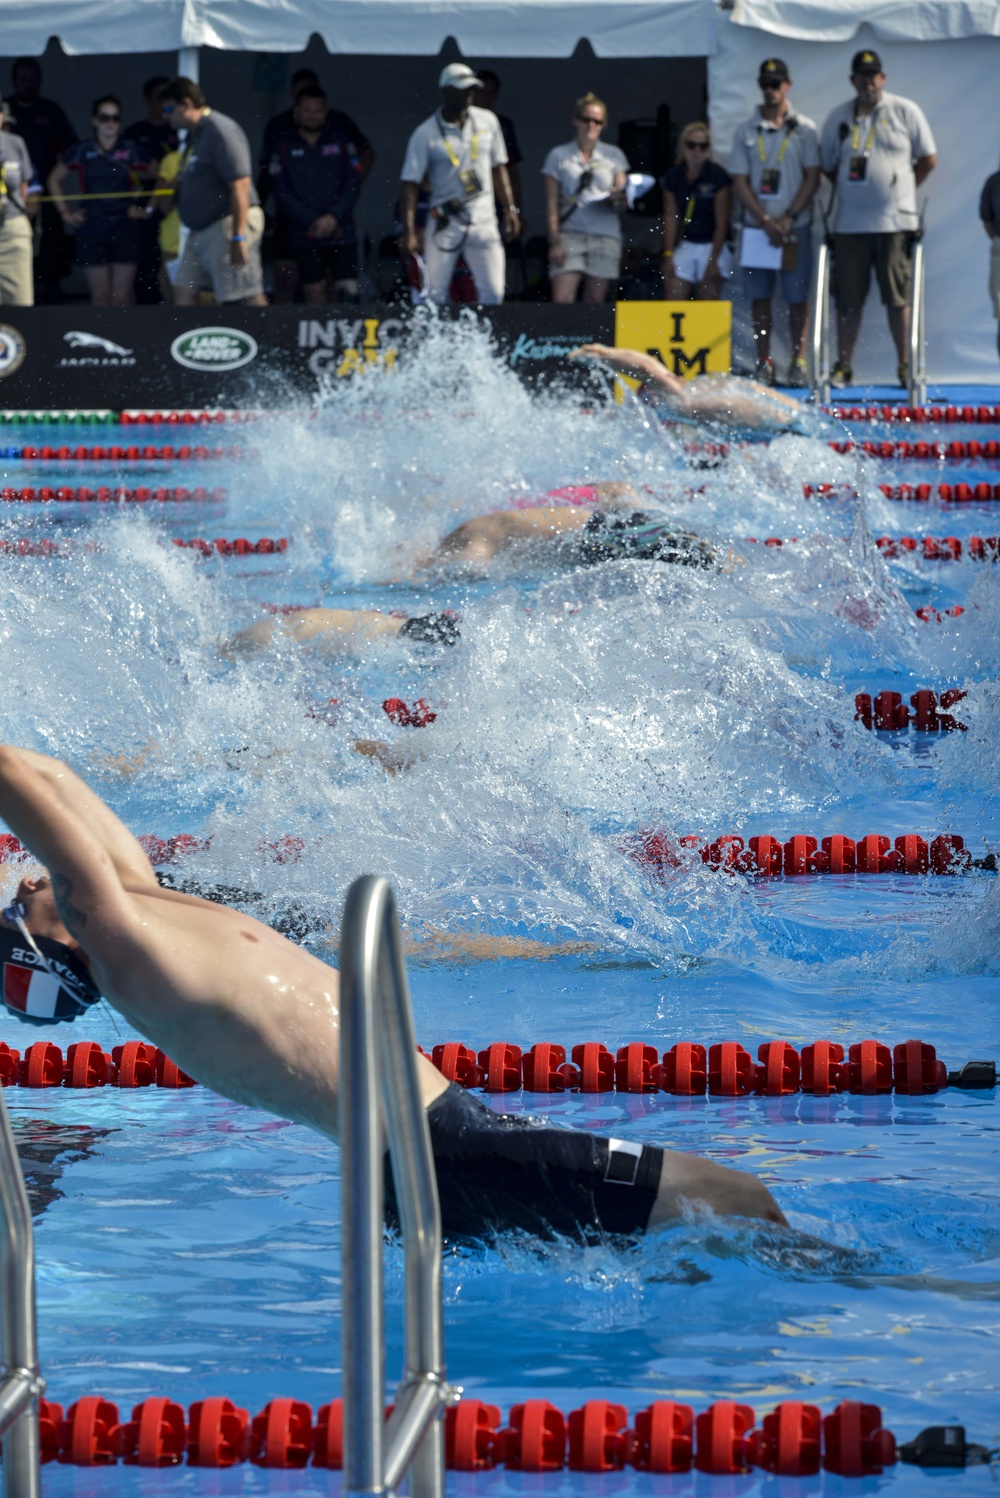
(86, 1065)
(932, 548)
(966, 415)
(930, 451)
(240, 547)
(67, 454)
(768, 857)
(107, 494)
(887, 712)
(796, 1439)
(920, 493)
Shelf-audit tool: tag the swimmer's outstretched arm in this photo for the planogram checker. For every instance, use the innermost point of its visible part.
(738, 403)
(345, 629)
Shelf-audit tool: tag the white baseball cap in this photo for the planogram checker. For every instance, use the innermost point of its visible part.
(459, 75)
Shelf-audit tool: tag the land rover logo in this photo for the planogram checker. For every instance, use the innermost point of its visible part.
(214, 348)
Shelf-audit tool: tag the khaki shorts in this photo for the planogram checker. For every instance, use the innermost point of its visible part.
(206, 264)
(854, 255)
(597, 255)
(995, 275)
(17, 287)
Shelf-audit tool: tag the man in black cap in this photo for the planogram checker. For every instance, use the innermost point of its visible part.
(774, 165)
(877, 150)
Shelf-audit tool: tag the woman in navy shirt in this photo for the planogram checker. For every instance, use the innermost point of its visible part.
(107, 241)
(697, 196)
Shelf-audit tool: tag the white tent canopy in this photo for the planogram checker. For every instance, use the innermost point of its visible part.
(494, 28)
(890, 20)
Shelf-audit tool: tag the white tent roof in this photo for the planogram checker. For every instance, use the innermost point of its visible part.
(891, 20)
(493, 28)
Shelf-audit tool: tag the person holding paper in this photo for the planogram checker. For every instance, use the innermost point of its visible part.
(697, 197)
(584, 198)
(775, 168)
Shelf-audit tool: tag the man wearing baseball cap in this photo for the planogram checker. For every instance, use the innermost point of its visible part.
(460, 151)
(877, 150)
(774, 164)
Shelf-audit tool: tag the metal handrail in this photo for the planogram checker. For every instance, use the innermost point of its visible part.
(820, 336)
(918, 327)
(379, 1076)
(20, 1381)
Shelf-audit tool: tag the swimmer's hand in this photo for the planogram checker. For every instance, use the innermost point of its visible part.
(472, 947)
(392, 757)
(630, 362)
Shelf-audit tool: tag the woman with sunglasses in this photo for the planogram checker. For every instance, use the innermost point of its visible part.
(697, 197)
(103, 173)
(584, 197)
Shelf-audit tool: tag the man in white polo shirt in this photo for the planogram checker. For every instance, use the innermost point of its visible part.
(774, 165)
(460, 152)
(877, 149)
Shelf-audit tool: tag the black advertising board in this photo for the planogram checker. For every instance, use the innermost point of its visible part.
(132, 358)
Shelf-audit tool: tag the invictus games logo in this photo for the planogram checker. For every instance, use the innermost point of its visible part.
(214, 349)
(12, 350)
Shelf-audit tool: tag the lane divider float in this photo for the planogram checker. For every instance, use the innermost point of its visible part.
(726, 1069)
(981, 493)
(107, 494)
(67, 454)
(767, 857)
(240, 547)
(954, 451)
(795, 1439)
(195, 417)
(887, 712)
(966, 415)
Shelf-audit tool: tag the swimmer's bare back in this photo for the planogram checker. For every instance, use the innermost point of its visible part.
(234, 1003)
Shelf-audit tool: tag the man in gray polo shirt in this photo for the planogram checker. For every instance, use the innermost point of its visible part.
(460, 150)
(217, 202)
(877, 150)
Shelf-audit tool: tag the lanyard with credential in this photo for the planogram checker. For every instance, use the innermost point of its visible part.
(762, 150)
(856, 137)
(456, 160)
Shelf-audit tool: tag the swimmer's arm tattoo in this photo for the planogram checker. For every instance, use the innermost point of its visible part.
(72, 918)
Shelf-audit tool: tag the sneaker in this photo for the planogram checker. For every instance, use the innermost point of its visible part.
(764, 372)
(798, 375)
(903, 376)
(841, 376)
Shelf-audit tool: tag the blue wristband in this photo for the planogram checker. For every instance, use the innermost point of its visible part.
(237, 239)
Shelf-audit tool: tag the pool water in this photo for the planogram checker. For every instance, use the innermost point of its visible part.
(188, 1246)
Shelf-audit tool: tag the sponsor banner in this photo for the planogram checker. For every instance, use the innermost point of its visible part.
(87, 358)
(691, 338)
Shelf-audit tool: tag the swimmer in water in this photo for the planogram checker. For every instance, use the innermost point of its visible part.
(348, 631)
(723, 400)
(255, 1017)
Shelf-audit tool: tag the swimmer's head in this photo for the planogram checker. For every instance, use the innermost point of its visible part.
(44, 978)
(640, 537)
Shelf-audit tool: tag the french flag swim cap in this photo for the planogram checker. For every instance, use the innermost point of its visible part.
(43, 981)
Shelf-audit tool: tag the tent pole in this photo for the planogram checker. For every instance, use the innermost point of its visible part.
(187, 63)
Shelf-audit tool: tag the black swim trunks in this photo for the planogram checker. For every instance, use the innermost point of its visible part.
(642, 537)
(500, 1172)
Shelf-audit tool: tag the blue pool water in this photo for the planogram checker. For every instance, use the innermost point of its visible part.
(188, 1246)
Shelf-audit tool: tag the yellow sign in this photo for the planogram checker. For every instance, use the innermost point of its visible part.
(691, 338)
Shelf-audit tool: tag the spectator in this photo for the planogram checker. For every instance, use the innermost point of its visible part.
(154, 136)
(46, 132)
(460, 150)
(163, 213)
(697, 196)
(485, 97)
(775, 169)
(284, 262)
(877, 149)
(17, 287)
(217, 202)
(317, 177)
(989, 212)
(584, 198)
(105, 170)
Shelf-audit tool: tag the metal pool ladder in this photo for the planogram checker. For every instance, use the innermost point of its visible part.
(379, 1078)
(20, 1381)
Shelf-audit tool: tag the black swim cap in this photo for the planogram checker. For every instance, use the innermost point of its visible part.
(641, 537)
(44, 982)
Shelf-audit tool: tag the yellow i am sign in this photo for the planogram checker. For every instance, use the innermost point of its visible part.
(691, 338)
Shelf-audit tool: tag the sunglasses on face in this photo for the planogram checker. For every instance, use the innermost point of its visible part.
(771, 82)
(588, 119)
(108, 119)
(697, 145)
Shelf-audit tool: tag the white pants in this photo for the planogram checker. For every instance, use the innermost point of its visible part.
(483, 250)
